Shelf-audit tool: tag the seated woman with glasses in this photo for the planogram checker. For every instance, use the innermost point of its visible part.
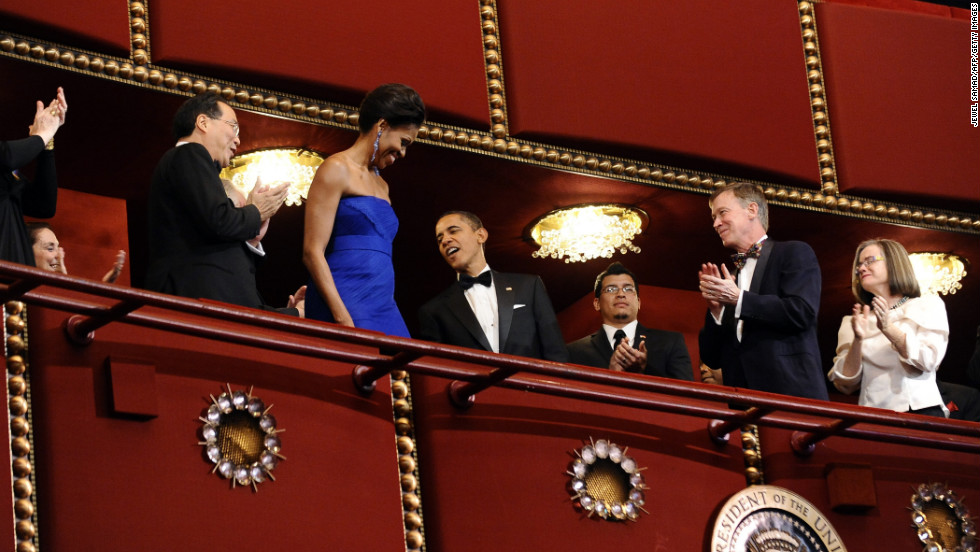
(894, 340)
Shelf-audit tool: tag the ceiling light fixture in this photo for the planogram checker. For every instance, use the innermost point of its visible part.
(294, 165)
(586, 232)
(938, 272)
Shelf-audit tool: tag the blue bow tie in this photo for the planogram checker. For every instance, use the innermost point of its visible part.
(466, 281)
(741, 258)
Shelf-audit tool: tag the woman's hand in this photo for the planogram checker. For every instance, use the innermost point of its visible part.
(861, 321)
(882, 312)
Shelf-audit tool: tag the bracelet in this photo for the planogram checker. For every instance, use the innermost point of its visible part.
(50, 145)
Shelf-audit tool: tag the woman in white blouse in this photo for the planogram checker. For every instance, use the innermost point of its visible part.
(892, 343)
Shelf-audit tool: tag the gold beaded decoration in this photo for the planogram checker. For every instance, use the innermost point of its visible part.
(752, 453)
(20, 436)
(493, 63)
(408, 465)
(139, 34)
(818, 99)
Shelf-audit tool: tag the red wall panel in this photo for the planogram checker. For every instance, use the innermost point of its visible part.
(898, 92)
(148, 484)
(100, 24)
(721, 81)
(436, 47)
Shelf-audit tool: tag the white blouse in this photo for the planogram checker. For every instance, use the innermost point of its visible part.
(886, 379)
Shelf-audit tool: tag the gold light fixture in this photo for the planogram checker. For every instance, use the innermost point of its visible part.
(586, 232)
(293, 165)
(938, 272)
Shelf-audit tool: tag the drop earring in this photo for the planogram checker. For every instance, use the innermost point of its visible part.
(375, 153)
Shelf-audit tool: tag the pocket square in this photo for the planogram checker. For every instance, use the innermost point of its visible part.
(519, 306)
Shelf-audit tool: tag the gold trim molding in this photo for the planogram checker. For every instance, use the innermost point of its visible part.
(493, 63)
(818, 100)
(752, 455)
(21, 438)
(139, 34)
(408, 461)
(139, 71)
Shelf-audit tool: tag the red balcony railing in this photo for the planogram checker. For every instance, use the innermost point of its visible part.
(378, 354)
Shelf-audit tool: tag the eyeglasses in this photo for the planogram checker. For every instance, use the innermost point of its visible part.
(627, 289)
(867, 262)
(232, 124)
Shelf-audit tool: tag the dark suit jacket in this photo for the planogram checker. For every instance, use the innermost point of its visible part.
(197, 236)
(778, 352)
(528, 326)
(667, 354)
(19, 196)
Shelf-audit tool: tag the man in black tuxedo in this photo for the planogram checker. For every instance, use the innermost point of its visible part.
(486, 309)
(197, 235)
(622, 344)
(761, 324)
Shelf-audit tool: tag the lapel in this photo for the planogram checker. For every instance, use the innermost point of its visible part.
(760, 266)
(460, 307)
(641, 330)
(505, 305)
(645, 332)
(601, 344)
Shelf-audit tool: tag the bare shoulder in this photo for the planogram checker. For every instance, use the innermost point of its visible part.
(332, 178)
(333, 168)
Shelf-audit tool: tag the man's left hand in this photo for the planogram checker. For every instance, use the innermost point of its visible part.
(628, 359)
(720, 288)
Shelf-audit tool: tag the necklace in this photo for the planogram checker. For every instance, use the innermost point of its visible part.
(900, 302)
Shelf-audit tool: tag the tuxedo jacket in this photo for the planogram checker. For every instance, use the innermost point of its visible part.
(667, 355)
(778, 352)
(196, 234)
(527, 322)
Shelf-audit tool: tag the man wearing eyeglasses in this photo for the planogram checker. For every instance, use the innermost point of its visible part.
(196, 234)
(622, 344)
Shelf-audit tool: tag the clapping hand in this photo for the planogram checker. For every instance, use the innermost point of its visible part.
(882, 312)
(113, 274)
(718, 287)
(861, 321)
(298, 301)
(268, 199)
(626, 358)
(48, 119)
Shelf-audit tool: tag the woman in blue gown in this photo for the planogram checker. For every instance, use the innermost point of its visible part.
(349, 222)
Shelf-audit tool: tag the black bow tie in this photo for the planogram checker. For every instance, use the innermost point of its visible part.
(466, 282)
(741, 258)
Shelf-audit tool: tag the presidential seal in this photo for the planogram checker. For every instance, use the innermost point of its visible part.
(765, 518)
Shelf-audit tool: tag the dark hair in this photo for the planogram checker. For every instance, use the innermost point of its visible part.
(614, 269)
(901, 275)
(186, 117)
(473, 220)
(34, 228)
(746, 193)
(396, 103)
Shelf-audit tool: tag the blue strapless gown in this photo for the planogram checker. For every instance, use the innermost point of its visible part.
(359, 255)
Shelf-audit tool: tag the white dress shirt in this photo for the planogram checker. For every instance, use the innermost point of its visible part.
(483, 301)
(744, 281)
(886, 379)
(629, 329)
